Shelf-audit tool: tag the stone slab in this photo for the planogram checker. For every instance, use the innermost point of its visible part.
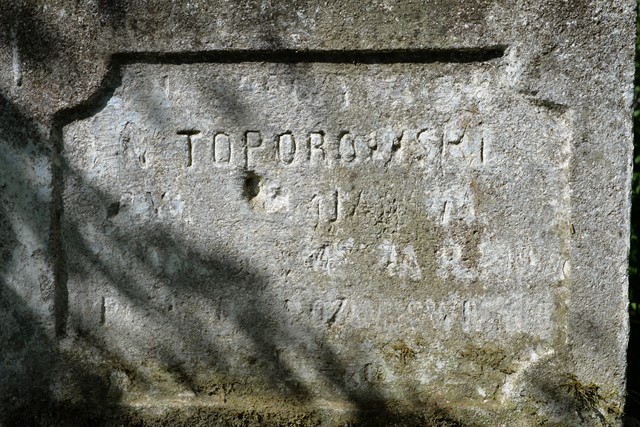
(341, 212)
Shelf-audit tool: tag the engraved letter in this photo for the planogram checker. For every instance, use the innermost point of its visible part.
(255, 151)
(222, 148)
(253, 139)
(316, 142)
(189, 146)
(286, 148)
(430, 140)
(329, 207)
(387, 145)
(347, 149)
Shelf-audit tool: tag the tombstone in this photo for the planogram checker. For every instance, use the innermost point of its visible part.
(343, 213)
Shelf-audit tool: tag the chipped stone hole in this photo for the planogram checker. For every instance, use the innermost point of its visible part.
(252, 183)
(113, 209)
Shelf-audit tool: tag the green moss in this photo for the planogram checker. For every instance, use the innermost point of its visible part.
(589, 401)
(489, 356)
(403, 351)
(585, 396)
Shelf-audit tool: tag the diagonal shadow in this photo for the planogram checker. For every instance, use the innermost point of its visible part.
(247, 291)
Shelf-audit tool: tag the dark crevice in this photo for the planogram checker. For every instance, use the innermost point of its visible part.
(113, 209)
(61, 296)
(390, 56)
(252, 185)
(548, 104)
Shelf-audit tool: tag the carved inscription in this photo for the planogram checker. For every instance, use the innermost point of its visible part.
(304, 214)
(382, 148)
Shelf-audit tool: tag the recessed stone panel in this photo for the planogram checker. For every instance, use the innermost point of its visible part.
(330, 229)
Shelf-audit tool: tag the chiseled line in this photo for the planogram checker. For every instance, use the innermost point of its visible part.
(16, 61)
(385, 56)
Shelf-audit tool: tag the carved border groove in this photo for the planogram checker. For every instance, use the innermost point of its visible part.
(112, 79)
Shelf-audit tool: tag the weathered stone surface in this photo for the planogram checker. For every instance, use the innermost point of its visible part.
(315, 213)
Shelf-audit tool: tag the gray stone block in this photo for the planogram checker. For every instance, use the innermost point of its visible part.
(314, 213)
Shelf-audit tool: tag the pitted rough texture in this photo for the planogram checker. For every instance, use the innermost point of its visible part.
(314, 213)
